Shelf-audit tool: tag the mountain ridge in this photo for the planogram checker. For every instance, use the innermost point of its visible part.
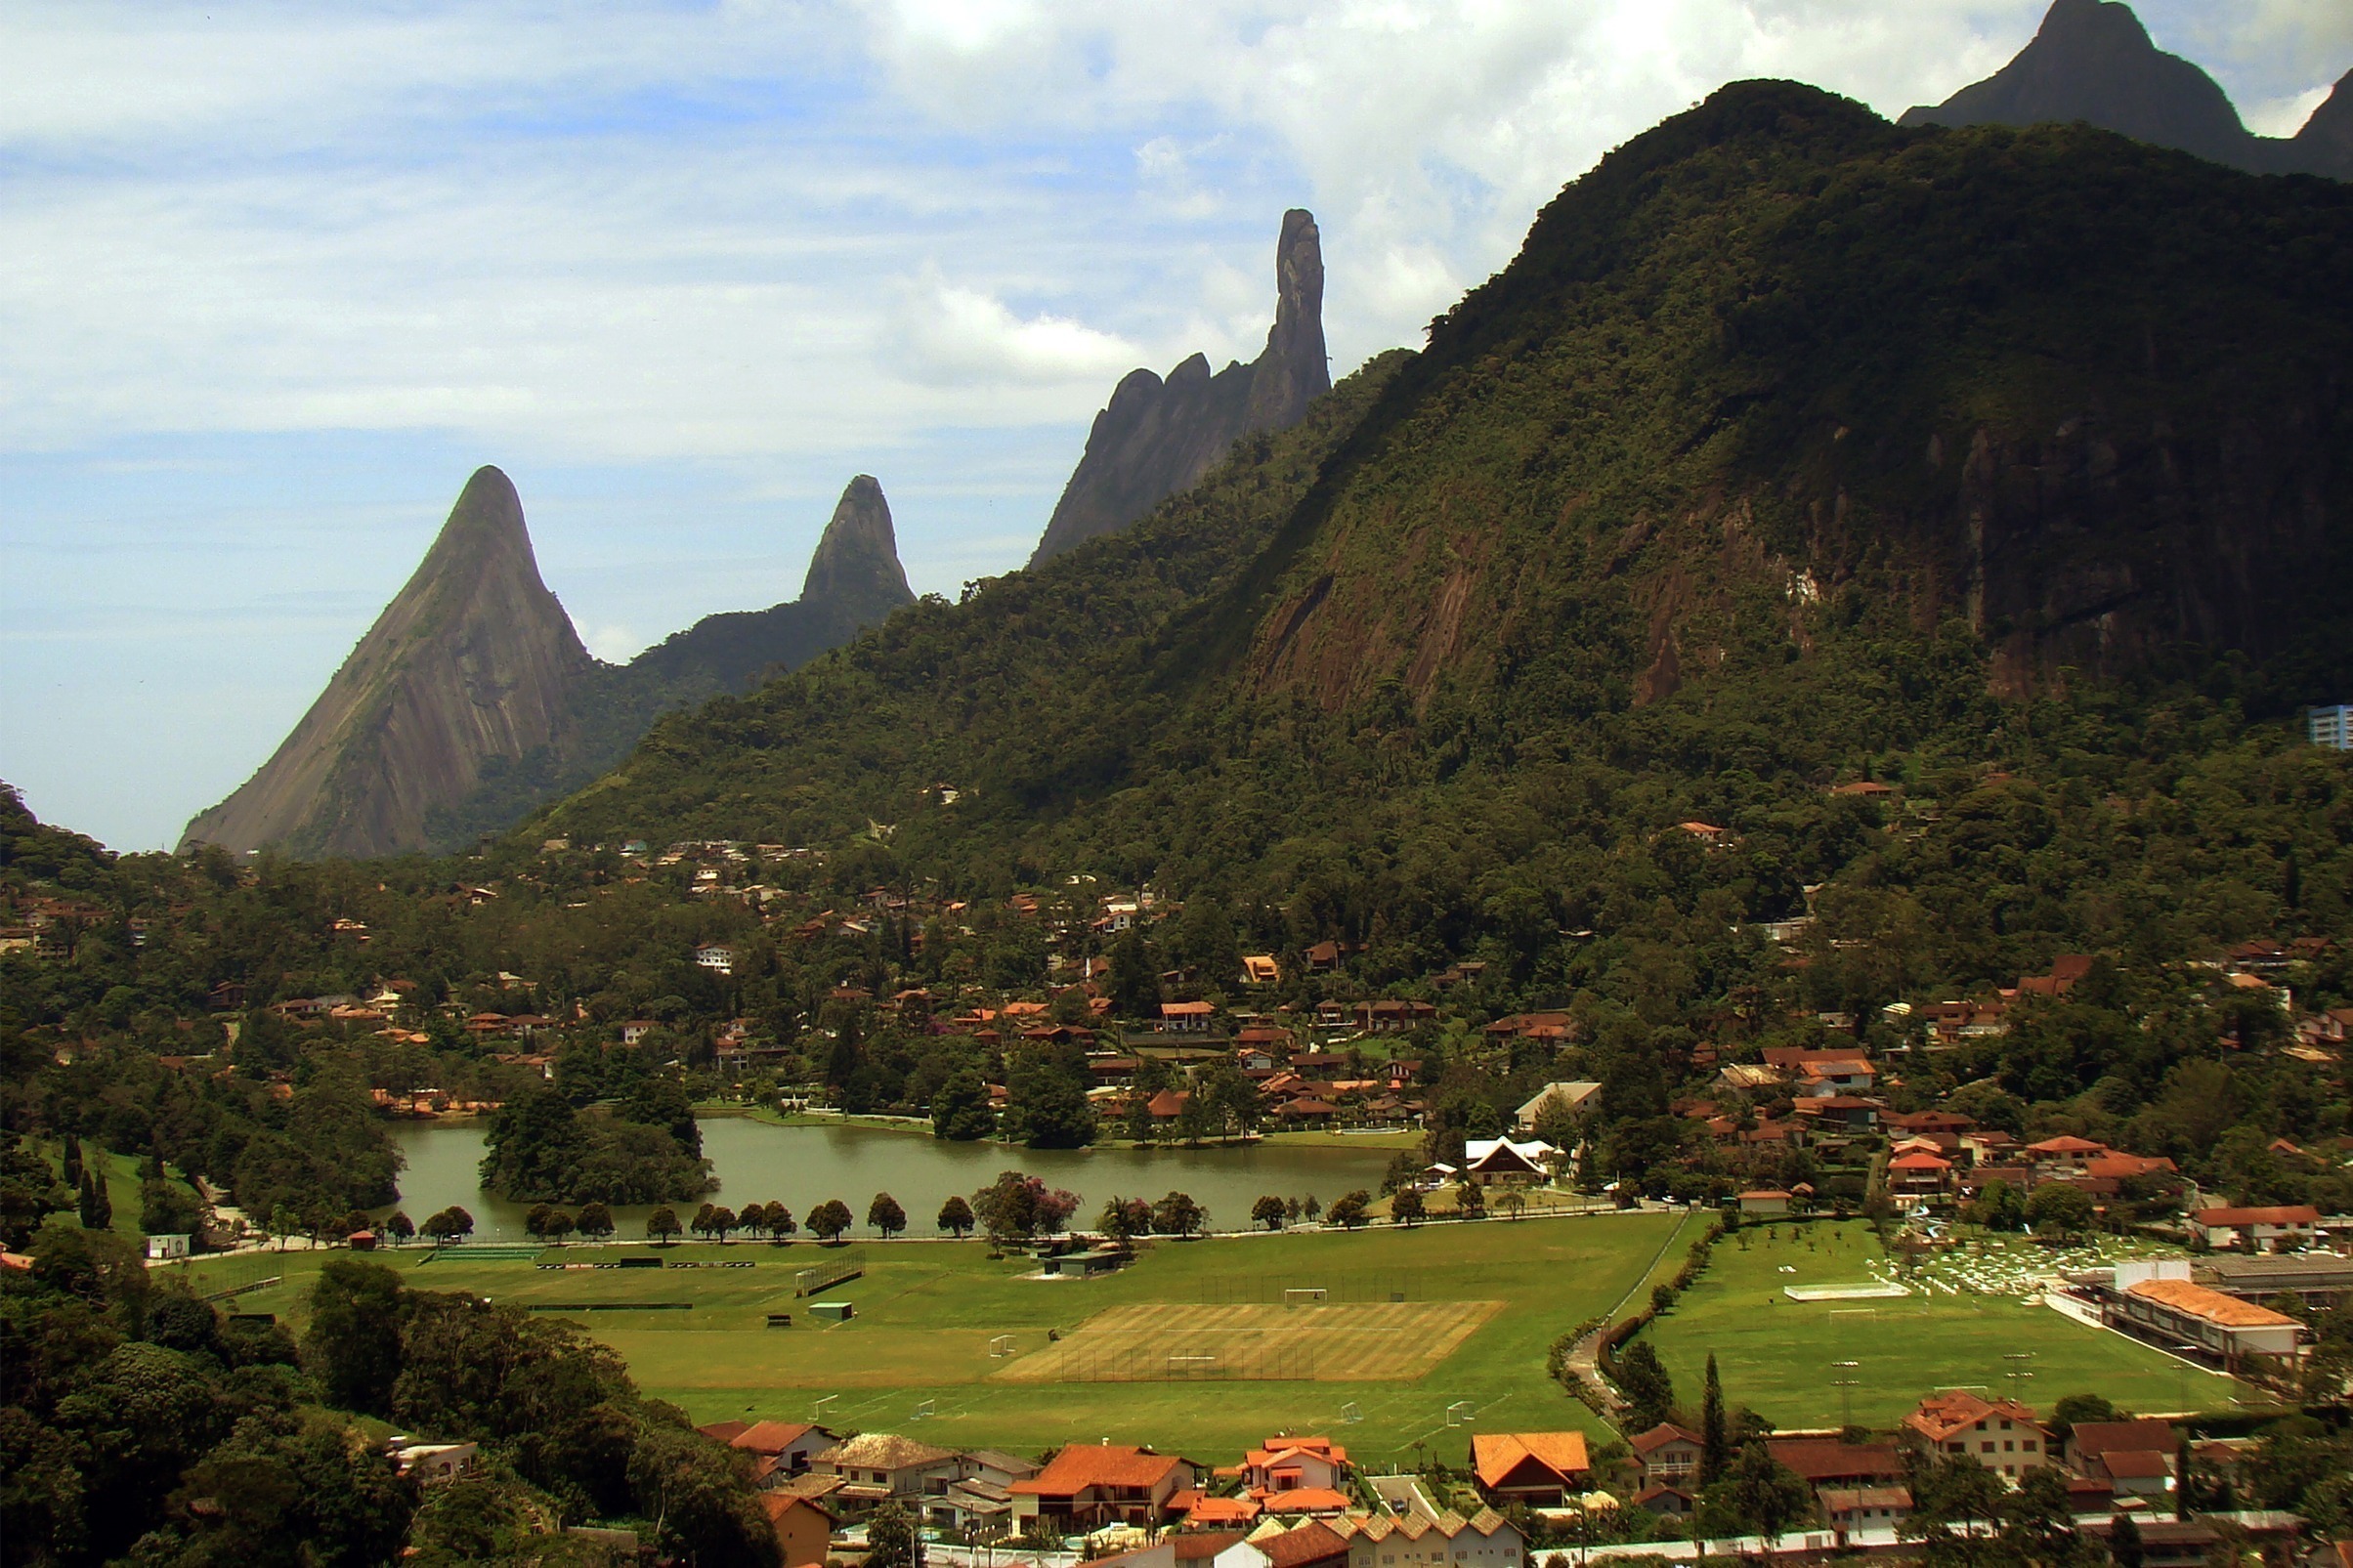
(471, 699)
(2094, 60)
(1158, 436)
(1778, 398)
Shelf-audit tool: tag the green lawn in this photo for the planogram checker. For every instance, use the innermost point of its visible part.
(1779, 1357)
(929, 1311)
(122, 1184)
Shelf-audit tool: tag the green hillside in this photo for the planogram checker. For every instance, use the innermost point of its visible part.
(1792, 447)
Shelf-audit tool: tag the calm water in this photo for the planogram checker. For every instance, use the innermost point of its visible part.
(803, 1166)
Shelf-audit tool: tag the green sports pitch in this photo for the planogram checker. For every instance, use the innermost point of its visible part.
(1819, 1362)
(1207, 1346)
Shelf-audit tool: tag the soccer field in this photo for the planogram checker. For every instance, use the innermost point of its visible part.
(1788, 1359)
(1228, 1345)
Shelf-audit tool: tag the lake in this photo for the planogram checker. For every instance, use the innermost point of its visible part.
(758, 1162)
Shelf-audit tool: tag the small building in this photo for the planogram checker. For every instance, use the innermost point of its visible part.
(2320, 1280)
(2124, 1453)
(2183, 1312)
(1868, 1507)
(1417, 1540)
(1537, 1469)
(1087, 1486)
(1502, 1162)
(2000, 1434)
(804, 1529)
(715, 956)
(173, 1246)
(1573, 1097)
(1261, 969)
(2279, 1228)
(1288, 1464)
(1667, 1453)
(1764, 1203)
(1187, 1017)
(882, 1467)
(429, 1463)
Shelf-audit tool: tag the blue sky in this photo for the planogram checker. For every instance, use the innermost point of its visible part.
(280, 276)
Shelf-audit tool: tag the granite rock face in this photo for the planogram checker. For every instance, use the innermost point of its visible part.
(1156, 438)
(471, 700)
(473, 658)
(2092, 60)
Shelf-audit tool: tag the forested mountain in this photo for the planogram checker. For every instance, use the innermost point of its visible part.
(471, 699)
(1156, 438)
(1793, 444)
(2092, 60)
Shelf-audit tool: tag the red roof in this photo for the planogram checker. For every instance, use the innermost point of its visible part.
(1308, 1499)
(1081, 1465)
(1309, 1543)
(1496, 1454)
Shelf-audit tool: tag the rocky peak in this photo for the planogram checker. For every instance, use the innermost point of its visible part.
(2092, 60)
(1156, 438)
(472, 660)
(2326, 143)
(1294, 371)
(857, 559)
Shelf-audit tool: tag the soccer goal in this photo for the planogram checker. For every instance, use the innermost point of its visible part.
(921, 1412)
(1191, 1364)
(1350, 1414)
(1002, 1346)
(1460, 1413)
(1304, 1295)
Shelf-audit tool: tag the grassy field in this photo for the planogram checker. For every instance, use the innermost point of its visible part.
(122, 1183)
(1483, 1306)
(1780, 1357)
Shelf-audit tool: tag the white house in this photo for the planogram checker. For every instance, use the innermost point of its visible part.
(717, 957)
(1499, 1162)
(2262, 1229)
(1570, 1097)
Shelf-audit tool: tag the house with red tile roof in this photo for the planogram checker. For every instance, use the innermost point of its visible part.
(1537, 1469)
(2279, 1226)
(2000, 1434)
(1086, 1487)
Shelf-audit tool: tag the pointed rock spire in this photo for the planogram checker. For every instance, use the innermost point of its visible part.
(1156, 438)
(857, 559)
(472, 660)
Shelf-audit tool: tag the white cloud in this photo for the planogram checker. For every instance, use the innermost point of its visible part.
(963, 335)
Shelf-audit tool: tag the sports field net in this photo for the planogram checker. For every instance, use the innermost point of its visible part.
(835, 1269)
(1308, 1289)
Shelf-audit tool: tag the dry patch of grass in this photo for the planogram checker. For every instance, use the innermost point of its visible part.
(1257, 1341)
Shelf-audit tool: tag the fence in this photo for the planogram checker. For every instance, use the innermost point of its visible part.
(833, 1271)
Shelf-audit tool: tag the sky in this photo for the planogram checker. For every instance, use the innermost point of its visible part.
(279, 277)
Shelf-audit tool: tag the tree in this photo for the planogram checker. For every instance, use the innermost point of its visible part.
(354, 1343)
(960, 1110)
(885, 1215)
(535, 1223)
(722, 1220)
(559, 1226)
(1270, 1212)
(956, 1217)
(1998, 1207)
(829, 1219)
(1348, 1209)
(1135, 980)
(1470, 1199)
(1758, 1495)
(596, 1221)
(284, 1223)
(1405, 1207)
(449, 1224)
(73, 1162)
(400, 1227)
(1312, 1208)
(1126, 1218)
(780, 1222)
(1643, 1379)
(1194, 1120)
(1714, 1442)
(2124, 1540)
(2056, 1208)
(165, 1209)
(705, 1220)
(1178, 1215)
(661, 1225)
(1513, 1201)
(893, 1540)
(97, 1208)
(1138, 1125)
